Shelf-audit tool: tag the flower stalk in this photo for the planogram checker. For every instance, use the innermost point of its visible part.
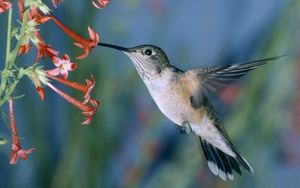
(33, 13)
(10, 59)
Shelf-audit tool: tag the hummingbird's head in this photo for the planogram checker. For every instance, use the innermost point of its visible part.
(149, 60)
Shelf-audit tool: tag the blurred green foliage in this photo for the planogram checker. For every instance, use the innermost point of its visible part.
(130, 143)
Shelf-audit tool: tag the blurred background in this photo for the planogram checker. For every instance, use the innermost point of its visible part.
(130, 143)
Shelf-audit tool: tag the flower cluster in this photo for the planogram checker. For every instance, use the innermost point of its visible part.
(33, 13)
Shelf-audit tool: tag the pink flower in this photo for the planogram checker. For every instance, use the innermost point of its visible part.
(100, 4)
(56, 2)
(4, 6)
(16, 150)
(64, 65)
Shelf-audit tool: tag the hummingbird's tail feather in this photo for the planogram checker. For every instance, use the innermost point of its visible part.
(219, 151)
(222, 164)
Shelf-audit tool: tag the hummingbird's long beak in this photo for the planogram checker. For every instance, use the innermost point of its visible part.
(114, 47)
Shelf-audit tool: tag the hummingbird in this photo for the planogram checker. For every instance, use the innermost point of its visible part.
(182, 96)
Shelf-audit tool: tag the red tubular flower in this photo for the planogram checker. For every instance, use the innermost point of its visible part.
(100, 4)
(40, 92)
(16, 150)
(85, 44)
(88, 110)
(34, 13)
(86, 89)
(90, 85)
(24, 48)
(21, 9)
(42, 19)
(43, 50)
(4, 6)
(56, 2)
(90, 113)
(63, 66)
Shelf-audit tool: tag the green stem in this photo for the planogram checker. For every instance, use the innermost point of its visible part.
(8, 44)
(14, 53)
(10, 90)
(6, 90)
(8, 37)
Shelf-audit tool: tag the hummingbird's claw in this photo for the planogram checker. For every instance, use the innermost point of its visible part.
(185, 128)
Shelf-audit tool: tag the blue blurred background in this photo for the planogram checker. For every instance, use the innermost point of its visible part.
(130, 143)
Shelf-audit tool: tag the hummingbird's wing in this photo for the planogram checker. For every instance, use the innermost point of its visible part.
(221, 155)
(215, 78)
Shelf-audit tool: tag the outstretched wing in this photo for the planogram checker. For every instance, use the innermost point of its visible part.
(215, 78)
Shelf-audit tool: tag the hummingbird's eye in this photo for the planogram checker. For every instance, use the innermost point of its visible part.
(148, 52)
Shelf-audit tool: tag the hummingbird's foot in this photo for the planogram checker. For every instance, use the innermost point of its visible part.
(185, 128)
(180, 129)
